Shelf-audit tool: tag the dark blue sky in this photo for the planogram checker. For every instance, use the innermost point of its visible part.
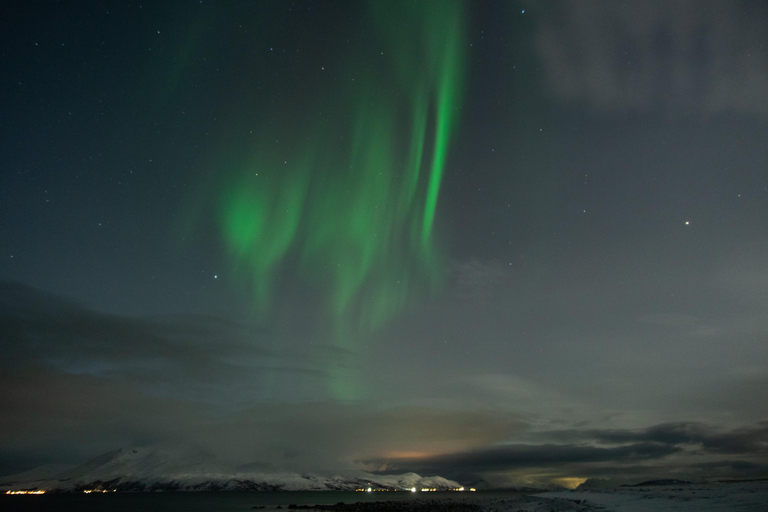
(600, 239)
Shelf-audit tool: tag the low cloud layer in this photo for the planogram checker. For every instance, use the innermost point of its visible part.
(77, 383)
(509, 457)
(682, 450)
(681, 56)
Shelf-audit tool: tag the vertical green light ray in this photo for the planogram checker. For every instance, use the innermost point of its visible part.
(350, 204)
(448, 53)
(411, 179)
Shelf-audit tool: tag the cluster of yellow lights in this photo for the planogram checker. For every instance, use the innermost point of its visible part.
(456, 489)
(86, 491)
(413, 489)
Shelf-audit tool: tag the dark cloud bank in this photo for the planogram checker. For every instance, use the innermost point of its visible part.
(688, 450)
(77, 382)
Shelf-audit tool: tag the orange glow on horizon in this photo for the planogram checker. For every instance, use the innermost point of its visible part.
(409, 455)
(569, 482)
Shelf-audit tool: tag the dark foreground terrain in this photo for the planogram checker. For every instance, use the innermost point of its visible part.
(513, 504)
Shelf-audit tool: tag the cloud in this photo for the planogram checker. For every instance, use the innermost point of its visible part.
(745, 440)
(710, 439)
(198, 358)
(685, 448)
(729, 467)
(510, 458)
(668, 433)
(77, 383)
(341, 436)
(674, 55)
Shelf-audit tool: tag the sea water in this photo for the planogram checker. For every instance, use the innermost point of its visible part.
(222, 501)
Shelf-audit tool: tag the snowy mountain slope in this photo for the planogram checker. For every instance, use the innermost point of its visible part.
(177, 469)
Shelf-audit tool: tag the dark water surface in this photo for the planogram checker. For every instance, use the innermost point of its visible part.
(212, 501)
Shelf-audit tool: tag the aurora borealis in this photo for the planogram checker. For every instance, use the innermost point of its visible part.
(507, 242)
(355, 207)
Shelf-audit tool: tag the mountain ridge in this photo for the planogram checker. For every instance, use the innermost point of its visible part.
(155, 469)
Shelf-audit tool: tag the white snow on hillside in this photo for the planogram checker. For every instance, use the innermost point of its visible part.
(176, 469)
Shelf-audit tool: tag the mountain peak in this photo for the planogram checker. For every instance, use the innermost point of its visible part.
(174, 468)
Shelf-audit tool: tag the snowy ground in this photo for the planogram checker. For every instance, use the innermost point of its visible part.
(720, 497)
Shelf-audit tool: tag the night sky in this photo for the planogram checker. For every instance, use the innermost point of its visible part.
(503, 242)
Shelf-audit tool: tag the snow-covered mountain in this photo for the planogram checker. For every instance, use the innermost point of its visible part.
(151, 469)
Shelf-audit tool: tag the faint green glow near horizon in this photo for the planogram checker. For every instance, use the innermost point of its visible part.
(353, 211)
